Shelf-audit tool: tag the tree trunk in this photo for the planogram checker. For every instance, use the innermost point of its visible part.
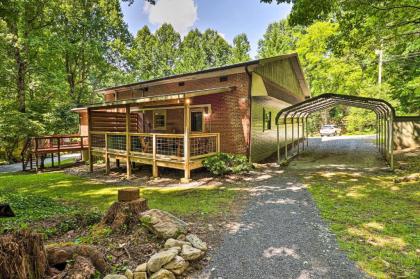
(20, 80)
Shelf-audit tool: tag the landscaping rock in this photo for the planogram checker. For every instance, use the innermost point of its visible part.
(408, 178)
(115, 276)
(140, 275)
(163, 274)
(129, 274)
(163, 224)
(181, 237)
(196, 242)
(190, 253)
(178, 265)
(160, 259)
(174, 243)
(141, 268)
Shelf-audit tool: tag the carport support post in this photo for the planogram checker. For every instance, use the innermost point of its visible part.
(391, 141)
(307, 133)
(285, 137)
(303, 133)
(298, 138)
(278, 143)
(293, 132)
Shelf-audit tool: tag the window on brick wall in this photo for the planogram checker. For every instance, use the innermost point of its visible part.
(197, 121)
(159, 120)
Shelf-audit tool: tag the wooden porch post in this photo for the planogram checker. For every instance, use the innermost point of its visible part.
(107, 164)
(187, 121)
(90, 140)
(128, 139)
(155, 170)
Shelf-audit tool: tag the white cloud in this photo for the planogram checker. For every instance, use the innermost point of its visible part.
(182, 14)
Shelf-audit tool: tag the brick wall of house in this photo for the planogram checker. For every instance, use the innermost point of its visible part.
(230, 110)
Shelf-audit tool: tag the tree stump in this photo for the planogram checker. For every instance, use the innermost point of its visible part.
(22, 256)
(128, 194)
(124, 213)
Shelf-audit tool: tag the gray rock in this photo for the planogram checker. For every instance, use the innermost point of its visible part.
(174, 243)
(160, 259)
(196, 242)
(115, 276)
(163, 274)
(190, 253)
(163, 224)
(178, 265)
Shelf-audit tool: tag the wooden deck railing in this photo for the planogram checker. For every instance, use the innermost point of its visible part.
(58, 143)
(154, 145)
(36, 148)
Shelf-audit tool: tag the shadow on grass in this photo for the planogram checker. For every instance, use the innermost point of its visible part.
(375, 220)
(39, 196)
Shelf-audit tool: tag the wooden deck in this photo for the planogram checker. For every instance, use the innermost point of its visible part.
(38, 148)
(157, 150)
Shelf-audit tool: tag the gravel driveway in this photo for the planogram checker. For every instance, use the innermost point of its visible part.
(281, 234)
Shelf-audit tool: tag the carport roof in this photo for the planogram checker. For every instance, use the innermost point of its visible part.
(324, 101)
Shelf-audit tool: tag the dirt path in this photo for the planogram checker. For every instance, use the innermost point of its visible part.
(281, 234)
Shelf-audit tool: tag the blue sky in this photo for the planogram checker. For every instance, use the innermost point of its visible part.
(228, 17)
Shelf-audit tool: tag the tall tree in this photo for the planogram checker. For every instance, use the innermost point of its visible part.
(143, 55)
(93, 35)
(241, 49)
(217, 50)
(279, 38)
(192, 56)
(167, 50)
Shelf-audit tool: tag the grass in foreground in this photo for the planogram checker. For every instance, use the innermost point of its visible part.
(38, 197)
(376, 221)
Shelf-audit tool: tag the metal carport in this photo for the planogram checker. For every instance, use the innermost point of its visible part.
(300, 112)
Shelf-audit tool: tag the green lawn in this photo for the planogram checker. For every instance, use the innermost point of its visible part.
(376, 221)
(36, 197)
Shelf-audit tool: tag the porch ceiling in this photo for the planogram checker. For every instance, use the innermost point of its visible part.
(167, 97)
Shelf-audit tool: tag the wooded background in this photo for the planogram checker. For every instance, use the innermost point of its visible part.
(55, 54)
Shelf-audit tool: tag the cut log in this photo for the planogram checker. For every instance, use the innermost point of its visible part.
(124, 213)
(128, 194)
(22, 256)
(6, 210)
(58, 255)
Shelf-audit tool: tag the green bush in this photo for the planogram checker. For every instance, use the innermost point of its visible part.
(224, 163)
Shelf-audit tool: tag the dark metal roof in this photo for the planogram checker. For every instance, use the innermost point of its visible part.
(328, 100)
(227, 67)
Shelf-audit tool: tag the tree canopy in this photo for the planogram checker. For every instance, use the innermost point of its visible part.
(55, 54)
(339, 42)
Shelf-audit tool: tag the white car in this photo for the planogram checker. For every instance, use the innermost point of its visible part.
(330, 130)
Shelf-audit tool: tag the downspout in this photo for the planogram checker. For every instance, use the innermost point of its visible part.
(250, 112)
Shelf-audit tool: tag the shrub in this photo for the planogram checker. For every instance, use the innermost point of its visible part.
(224, 163)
